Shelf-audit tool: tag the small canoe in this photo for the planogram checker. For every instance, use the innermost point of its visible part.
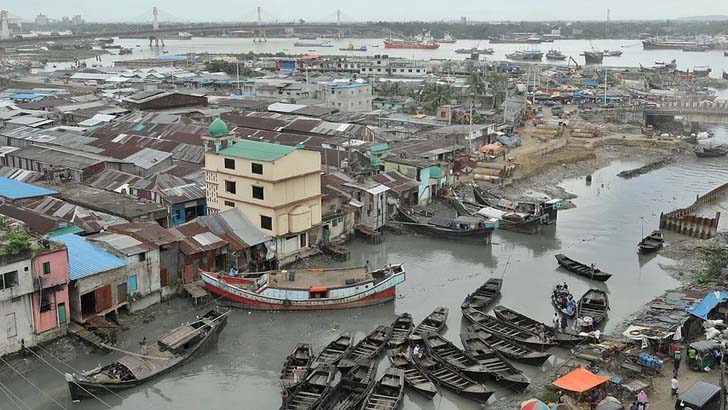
(401, 329)
(451, 379)
(493, 363)
(415, 379)
(308, 394)
(521, 320)
(368, 348)
(387, 392)
(594, 305)
(581, 269)
(450, 355)
(299, 361)
(484, 296)
(335, 351)
(354, 386)
(434, 323)
(509, 348)
(563, 301)
(651, 243)
(508, 330)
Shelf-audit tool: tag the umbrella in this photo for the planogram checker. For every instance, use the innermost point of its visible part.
(534, 404)
(610, 403)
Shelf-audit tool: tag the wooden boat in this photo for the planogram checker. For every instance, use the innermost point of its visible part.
(387, 392)
(493, 362)
(300, 358)
(401, 329)
(352, 389)
(563, 300)
(462, 228)
(594, 304)
(172, 350)
(335, 351)
(651, 243)
(581, 269)
(306, 289)
(434, 323)
(710, 152)
(508, 220)
(415, 379)
(507, 330)
(308, 394)
(451, 379)
(484, 295)
(520, 215)
(509, 348)
(368, 348)
(532, 325)
(450, 355)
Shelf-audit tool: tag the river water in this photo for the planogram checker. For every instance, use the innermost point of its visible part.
(633, 55)
(242, 370)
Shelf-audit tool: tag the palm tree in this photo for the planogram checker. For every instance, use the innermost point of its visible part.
(476, 86)
(497, 83)
(435, 95)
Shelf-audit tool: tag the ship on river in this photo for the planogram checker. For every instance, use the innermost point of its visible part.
(668, 44)
(424, 42)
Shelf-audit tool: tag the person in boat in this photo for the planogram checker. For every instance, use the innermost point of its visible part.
(469, 298)
(297, 373)
(565, 287)
(592, 269)
(541, 332)
(556, 320)
(416, 351)
(144, 346)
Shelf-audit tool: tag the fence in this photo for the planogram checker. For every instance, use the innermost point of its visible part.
(684, 222)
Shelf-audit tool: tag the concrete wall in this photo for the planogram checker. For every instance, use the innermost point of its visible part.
(17, 324)
(79, 287)
(54, 290)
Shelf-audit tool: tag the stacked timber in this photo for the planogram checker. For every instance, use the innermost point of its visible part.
(585, 132)
(549, 131)
(487, 171)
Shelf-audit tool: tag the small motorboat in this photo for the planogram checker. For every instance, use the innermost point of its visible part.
(401, 329)
(563, 300)
(555, 55)
(297, 364)
(613, 53)
(651, 243)
(484, 295)
(593, 307)
(434, 323)
(308, 394)
(711, 151)
(387, 392)
(415, 379)
(172, 350)
(580, 269)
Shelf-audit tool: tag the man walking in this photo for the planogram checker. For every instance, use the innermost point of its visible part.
(674, 386)
(676, 358)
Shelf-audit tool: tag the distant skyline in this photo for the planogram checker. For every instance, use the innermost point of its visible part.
(371, 10)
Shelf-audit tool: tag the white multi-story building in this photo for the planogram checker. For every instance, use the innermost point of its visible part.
(383, 66)
(16, 289)
(349, 96)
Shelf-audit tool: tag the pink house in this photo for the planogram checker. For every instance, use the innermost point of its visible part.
(50, 294)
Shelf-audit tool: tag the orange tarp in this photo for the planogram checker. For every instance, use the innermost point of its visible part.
(579, 380)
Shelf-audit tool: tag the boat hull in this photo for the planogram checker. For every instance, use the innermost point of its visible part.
(480, 235)
(415, 46)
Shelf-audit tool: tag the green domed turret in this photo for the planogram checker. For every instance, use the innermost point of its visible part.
(218, 128)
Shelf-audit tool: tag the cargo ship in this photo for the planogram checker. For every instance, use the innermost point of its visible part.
(412, 44)
(667, 44)
(475, 50)
(516, 39)
(534, 55)
(555, 55)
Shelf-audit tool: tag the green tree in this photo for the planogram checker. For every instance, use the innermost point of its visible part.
(476, 86)
(498, 84)
(435, 95)
(17, 242)
(715, 258)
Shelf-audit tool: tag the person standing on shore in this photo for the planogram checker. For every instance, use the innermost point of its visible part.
(674, 385)
(144, 346)
(676, 358)
(642, 400)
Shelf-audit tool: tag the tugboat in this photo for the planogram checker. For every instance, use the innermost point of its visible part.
(447, 39)
(351, 47)
(555, 55)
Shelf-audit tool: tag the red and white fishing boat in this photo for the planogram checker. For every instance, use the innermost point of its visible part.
(307, 289)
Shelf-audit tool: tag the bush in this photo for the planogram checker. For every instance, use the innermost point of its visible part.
(17, 242)
(715, 258)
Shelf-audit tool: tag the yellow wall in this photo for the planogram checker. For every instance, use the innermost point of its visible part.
(291, 187)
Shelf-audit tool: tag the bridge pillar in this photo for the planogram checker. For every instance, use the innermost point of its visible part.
(4, 28)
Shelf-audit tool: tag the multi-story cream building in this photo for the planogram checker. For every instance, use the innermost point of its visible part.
(277, 187)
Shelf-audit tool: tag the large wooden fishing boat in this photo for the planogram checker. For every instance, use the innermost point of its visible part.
(402, 327)
(462, 228)
(387, 392)
(300, 361)
(594, 304)
(368, 348)
(352, 389)
(335, 350)
(533, 325)
(508, 330)
(580, 269)
(413, 376)
(308, 394)
(307, 289)
(492, 362)
(509, 348)
(519, 216)
(172, 350)
(484, 295)
(451, 379)
(434, 323)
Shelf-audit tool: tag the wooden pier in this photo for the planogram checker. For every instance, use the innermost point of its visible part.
(196, 290)
(684, 222)
(369, 234)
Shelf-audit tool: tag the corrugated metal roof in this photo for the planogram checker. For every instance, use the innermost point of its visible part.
(206, 238)
(12, 189)
(86, 259)
(257, 151)
(233, 222)
(121, 243)
(147, 157)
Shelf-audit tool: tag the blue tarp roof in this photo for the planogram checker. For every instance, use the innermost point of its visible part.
(12, 189)
(709, 302)
(86, 259)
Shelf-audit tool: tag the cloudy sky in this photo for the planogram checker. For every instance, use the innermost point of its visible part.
(325, 10)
